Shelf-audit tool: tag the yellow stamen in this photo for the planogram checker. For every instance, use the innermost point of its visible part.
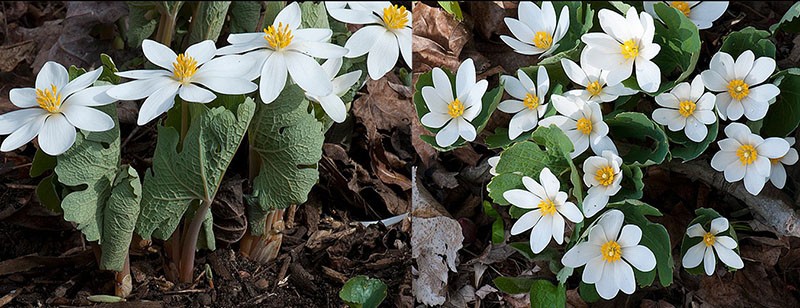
(747, 154)
(278, 37)
(682, 6)
(629, 49)
(605, 175)
(738, 89)
(594, 88)
(542, 40)
(709, 239)
(547, 207)
(184, 68)
(455, 108)
(531, 101)
(686, 108)
(611, 251)
(584, 125)
(395, 17)
(49, 99)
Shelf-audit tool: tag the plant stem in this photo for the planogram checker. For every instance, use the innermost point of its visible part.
(166, 26)
(190, 241)
(184, 120)
(123, 284)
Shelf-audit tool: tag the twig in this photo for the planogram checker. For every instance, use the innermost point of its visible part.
(186, 291)
(20, 186)
(771, 207)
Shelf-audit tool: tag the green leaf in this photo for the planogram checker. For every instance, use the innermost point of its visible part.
(177, 179)
(42, 162)
(581, 18)
(500, 138)
(142, 22)
(513, 285)
(686, 149)
(632, 184)
(314, 15)
(47, 194)
(288, 140)
(207, 21)
(783, 116)
(272, 10)
(654, 236)
(545, 294)
(120, 215)
(362, 291)
(453, 8)
(109, 68)
(244, 16)
(74, 72)
(489, 103)
(789, 22)
(680, 47)
(704, 218)
(640, 141)
(588, 292)
(748, 39)
(498, 230)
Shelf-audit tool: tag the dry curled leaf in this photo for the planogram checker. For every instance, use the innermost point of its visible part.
(438, 39)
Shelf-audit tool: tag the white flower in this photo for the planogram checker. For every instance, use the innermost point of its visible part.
(54, 109)
(535, 31)
(454, 113)
(627, 40)
(777, 173)
(549, 208)
(737, 81)
(283, 49)
(744, 155)
(388, 30)
(701, 13)
(493, 164)
(529, 103)
(593, 80)
(687, 108)
(609, 254)
(703, 253)
(582, 122)
(182, 75)
(332, 103)
(603, 176)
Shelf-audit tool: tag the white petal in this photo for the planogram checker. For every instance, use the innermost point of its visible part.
(239, 38)
(343, 83)
(232, 66)
(541, 234)
(535, 188)
(23, 97)
(526, 221)
(721, 63)
(313, 34)
(202, 52)
(520, 47)
(308, 74)
(640, 257)
(143, 74)
(290, 15)
(735, 110)
(764, 92)
(594, 203)
(594, 269)
(574, 72)
(718, 225)
(80, 82)
(465, 78)
(226, 85)
(195, 94)
(571, 212)
(11, 121)
(754, 182)
(607, 286)
(549, 182)
(648, 74)
(697, 88)
(441, 82)
(737, 131)
(139, 89)
(630, 236)
(159, 54)
(580, 254)
(273, 78)
(695, 130)
(520, 30)
(322, 50)
(158, 102)
(404, 41)
(24, 133)
(350, 16)
(448, 135)
(728, 256)
(52, 74)
(762, 68)
(778, 176)
(694, 255)
(466, 130)
(57, 135)
(511, 106)
(383, 55)
(726, 241)
(87, 118)
(334, 108)
(743, 65)
(624, 277)
(362, 40)
(614, 24)
(709, 262)
(773, 147)
(695, 230)
(612, 223)
(435, 120)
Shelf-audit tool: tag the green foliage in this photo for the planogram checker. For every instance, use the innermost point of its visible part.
(453, 8)
(546, 294)
(244, 16)
(789, 22)
(109, 68)
(288, 141)
(314, 15)
(581, 18)
(704, 218)
(748, 39)
(783, 116)
(120, 215)
(632, 184)
(686, 149)
(500, 138)
(680, 47)
(142, 22)
(363, 292)
(42, 162)
(207, 21)
(47, 194)
(640, 141)
(489, 103)
(654, 237)
(498, 229)
(588, 292)
(513, 285)
(272, 10)
(178, 180)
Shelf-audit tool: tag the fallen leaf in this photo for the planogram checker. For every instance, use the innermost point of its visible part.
(438, 39)
(15, 54)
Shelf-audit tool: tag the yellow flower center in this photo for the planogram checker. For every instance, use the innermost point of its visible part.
(686, 108)
(584, 125)
(605, 175)
(395, 17)
(709, 239)
(738, 89)
(455, 108)
(611, 251)
(747, 154)
(682, 6)
(594, 88)
(49, 99)
(629, 49)
(184, 68)
(278, 37)
(547, 207)
(531, 101)
(542, 40)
